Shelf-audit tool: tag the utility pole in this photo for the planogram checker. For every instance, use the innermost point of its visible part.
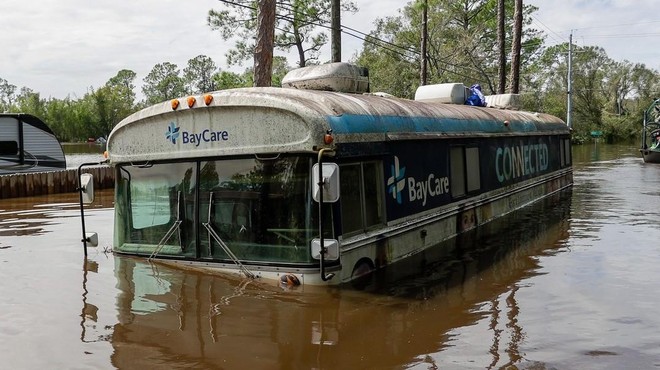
(336, 31)
(423, 73)
(500, 46)
(569, 93)
(263, 51)
(515, 48)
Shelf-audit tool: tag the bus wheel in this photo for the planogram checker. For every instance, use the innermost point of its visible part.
(362, 274)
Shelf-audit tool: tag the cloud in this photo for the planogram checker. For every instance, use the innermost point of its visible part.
(63, 47)
(624, 28)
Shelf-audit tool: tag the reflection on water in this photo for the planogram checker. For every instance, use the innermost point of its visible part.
(596, 152)
(570, 283)
(32, 215)
(184, 318)
(542, 226)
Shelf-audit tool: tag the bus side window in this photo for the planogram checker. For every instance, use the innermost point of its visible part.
(351, 198)
(457, 168)
(465, 170)
(374, 193)
(565, 152)
(473, 169)
(361, 196)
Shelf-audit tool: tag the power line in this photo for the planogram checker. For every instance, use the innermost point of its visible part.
(619, 25)
(368, 38)
(561, 38)
(619, 36)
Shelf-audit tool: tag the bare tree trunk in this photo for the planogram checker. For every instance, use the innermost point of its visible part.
(263, 51)
(500, 46)
(336, 31)
(423, 73)
(515, 48)
(302, 61)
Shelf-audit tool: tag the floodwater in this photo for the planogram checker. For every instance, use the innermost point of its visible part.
(79, 153)
(570, 283)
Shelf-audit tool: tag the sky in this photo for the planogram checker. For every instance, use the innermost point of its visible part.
(62, 48)
(626, 29)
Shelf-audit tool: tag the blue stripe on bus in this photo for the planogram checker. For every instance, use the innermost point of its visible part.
(363, 124)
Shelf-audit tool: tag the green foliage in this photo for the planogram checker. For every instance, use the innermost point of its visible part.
(391, 70)
(93, 115)
(30, 102)
(462, 45)
(607, 96)
(296, 26)
(62, 119)
(100, 109)
(552, 102)
(229, 80)
(618, 128)
(7, 97)
(280, 69)
(198, 75)
(163, 83)
(123, 84)
(108, 106)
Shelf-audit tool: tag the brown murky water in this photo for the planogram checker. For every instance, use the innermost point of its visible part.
(567, 284)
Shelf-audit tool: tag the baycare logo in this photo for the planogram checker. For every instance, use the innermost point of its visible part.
(397, 182)
(419, 190)
(174, 132)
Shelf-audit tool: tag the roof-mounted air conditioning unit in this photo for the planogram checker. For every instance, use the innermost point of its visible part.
(340, 77)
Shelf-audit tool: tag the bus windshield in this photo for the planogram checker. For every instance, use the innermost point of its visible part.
(261, 210)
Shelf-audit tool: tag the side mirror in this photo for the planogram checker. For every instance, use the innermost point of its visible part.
(332, 249)
(87, 187)
(330, 173)
(92, 239)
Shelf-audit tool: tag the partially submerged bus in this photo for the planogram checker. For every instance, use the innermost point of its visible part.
(319, 182)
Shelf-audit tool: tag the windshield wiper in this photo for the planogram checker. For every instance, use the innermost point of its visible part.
(223, 245)
(175, 227)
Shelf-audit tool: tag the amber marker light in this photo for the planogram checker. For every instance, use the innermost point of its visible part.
(191, 101)
(208, 98)
(105, 154)
(328, 138)
(175, 104)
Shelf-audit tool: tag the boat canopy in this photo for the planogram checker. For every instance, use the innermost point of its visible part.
(27, 144)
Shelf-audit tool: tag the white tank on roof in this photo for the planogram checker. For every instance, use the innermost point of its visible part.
(447, 93)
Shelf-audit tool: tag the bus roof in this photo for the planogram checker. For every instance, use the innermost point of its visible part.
(274, 120)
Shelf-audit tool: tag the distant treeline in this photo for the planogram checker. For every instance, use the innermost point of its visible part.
(462, 46)
(100, 109)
